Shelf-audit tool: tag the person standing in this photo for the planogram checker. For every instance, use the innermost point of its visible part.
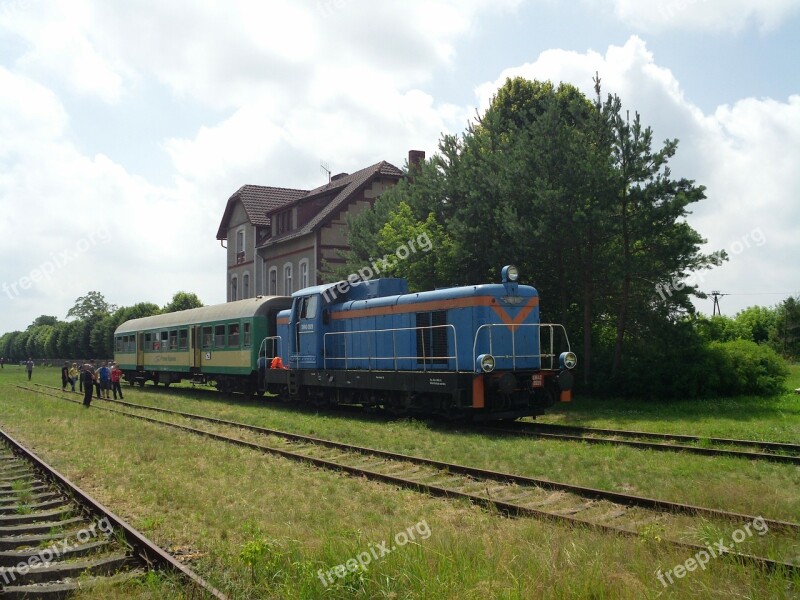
(87, 378)
(116, 375)
(73, 376)
(103, 375)
(29, 368)
(64, 376)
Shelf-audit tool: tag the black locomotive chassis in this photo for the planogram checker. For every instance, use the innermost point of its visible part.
(399, 381)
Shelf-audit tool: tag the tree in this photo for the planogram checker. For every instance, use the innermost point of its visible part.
(571, 192)
(93, 303)
(43, 320)
(182, 301)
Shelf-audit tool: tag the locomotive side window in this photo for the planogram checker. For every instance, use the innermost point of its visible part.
(219, 336)
(207, 339)
(308, 308)
(431, 338)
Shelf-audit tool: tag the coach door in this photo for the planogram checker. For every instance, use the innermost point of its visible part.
(140, 351)
(196, 350)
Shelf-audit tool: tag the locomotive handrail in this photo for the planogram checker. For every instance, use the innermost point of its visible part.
(513, 356)
(276, 346)
(425, 358)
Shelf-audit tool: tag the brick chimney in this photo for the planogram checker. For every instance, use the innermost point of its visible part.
(415, 160)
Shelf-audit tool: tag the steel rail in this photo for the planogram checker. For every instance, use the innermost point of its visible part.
(503, 507)
(149, 552)
(587, 492)
(519, 431)
(673, 437)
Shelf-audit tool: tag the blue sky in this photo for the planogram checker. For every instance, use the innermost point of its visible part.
(124, 127)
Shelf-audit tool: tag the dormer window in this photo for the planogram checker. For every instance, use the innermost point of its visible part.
(283, 222)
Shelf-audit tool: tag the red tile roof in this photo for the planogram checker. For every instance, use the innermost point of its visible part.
(341, 189)
(258, 200)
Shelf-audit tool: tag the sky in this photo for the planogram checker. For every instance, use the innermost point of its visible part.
(125, 127)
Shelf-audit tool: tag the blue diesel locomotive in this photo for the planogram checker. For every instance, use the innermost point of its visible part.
(476, 352)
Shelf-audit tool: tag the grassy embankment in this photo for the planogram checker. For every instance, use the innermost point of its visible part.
(235, 506)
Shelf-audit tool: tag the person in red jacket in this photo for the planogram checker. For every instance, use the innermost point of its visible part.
(116, 376)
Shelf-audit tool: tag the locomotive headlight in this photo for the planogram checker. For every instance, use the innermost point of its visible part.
(510, 273)
(486, 363)
(568, 360)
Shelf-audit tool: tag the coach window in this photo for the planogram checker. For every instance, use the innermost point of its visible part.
(219, 336)
(233, 335)
(164, 339)
(183, 339)
(118, 344)
(207, 338)
(173, 339)
(246, 339)
(148, 341)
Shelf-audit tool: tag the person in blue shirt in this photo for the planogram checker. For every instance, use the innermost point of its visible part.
(104, 376)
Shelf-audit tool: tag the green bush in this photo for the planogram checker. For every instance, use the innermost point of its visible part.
(675, 361)
(744, 367)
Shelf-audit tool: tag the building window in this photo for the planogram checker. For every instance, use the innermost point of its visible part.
(240, 250)
(303, 274)
(246, 285)
(234, 288)
(287, 279)
(273, 281)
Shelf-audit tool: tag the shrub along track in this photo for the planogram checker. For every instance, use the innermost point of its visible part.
(55, 539)
(775, 451)
(509, 494)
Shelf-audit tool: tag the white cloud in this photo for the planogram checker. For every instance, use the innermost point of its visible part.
(746, 155)
(705, 15)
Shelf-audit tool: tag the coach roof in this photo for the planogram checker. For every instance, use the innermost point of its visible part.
(251, 307)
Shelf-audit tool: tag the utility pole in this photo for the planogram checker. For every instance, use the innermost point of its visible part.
(716, 310)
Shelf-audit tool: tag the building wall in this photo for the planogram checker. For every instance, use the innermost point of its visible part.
(290, 253)
(240, 265)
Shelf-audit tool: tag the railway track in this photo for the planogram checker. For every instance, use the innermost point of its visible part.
(55, 539)
(773, 451)
(781, 452)
(509, 494)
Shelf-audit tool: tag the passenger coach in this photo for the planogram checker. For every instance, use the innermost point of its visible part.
(213, 344)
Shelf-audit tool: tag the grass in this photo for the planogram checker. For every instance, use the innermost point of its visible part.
(266, 526)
